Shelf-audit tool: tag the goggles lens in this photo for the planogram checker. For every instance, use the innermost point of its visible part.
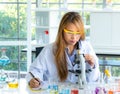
(71, 32)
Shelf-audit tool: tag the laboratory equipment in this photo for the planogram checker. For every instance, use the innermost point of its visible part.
(81, 68)
(4, 60)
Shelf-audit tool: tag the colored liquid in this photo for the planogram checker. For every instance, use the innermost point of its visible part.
(65, 91)
(4, 62)
(75, 91)
(53, 92)
(3, 78)
(110, 92)
(13, 85)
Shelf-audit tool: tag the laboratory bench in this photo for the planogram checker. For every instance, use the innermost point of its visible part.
(64, 88)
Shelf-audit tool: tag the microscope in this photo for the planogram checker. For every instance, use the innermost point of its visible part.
(80, 61)
(80, 71)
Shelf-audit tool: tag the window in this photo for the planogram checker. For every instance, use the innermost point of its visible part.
(13, 33)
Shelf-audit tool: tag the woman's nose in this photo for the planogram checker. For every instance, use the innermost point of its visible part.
(73, 36)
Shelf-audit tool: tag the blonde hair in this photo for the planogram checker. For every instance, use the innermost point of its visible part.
(60, 57)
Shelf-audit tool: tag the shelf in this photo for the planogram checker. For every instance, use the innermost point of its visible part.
(87, 27)
(13, 43)
(44, 26)
(34, 44)
(67, 9)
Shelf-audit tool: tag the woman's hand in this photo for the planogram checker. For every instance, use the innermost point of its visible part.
(90, 59)
(34, 83)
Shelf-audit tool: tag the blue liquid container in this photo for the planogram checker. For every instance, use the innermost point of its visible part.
(4, 60)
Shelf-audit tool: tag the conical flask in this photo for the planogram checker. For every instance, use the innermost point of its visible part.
(4, 59)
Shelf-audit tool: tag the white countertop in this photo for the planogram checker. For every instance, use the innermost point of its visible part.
(25, 89)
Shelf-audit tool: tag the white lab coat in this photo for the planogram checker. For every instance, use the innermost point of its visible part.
(44, 67)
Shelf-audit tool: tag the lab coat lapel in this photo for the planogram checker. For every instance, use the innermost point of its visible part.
(70, 66)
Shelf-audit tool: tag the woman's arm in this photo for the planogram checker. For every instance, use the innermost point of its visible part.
(91, 63)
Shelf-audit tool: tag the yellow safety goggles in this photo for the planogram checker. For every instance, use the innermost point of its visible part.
(71, 32)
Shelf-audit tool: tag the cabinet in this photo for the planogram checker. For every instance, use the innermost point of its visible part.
(105, 31)
(46, 25)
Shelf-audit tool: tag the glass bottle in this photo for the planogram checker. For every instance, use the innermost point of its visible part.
(4, 60)
(46, 37)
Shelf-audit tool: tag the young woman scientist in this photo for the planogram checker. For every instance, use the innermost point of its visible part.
(56, 59)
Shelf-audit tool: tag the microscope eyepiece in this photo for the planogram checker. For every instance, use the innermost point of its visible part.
(77, 46)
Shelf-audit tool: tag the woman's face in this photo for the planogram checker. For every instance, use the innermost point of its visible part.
(71, 34)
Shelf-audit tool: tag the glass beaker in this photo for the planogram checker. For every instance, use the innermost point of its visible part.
(13, 80)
